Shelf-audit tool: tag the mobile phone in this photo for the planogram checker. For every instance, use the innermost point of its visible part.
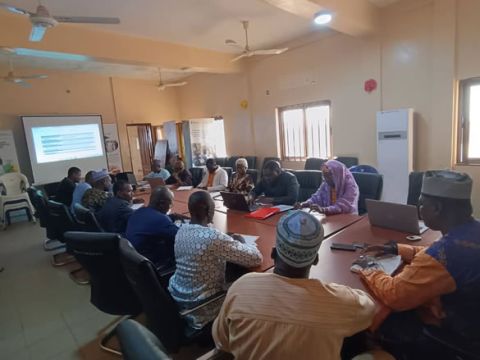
(346, 247)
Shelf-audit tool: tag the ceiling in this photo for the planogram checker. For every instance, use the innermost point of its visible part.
(198, 23)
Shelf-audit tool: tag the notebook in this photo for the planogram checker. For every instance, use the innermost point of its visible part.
(263, 213)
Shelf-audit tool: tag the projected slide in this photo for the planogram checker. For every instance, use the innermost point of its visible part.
(67, 142)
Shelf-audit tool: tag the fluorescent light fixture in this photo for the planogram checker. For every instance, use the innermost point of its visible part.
(50, 55)
(323, 18)
(37, 33)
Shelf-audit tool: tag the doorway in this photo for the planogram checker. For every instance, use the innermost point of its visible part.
(140, 142)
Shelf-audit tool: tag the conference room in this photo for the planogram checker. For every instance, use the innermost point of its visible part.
(252, 123)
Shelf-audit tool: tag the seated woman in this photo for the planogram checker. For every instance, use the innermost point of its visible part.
(241, 181)
(338, 193)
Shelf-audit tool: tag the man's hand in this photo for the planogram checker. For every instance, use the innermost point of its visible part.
(138, 201)
(202, 187)
(317, 208)
(238, 238)
(302, 205)
(378, 250)
(264, 200)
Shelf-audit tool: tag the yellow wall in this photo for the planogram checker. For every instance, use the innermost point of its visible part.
(132, 101)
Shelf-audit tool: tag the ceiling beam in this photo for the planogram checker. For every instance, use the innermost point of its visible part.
(351, 17)
(99, 44)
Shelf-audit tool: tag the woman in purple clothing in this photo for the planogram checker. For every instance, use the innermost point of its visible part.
(338, 193)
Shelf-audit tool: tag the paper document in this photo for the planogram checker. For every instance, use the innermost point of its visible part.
(250, 239)
(387, 264)
(136, 206)
(215, 194)
(184, 188)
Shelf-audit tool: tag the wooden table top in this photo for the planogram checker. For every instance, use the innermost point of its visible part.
(334, 265)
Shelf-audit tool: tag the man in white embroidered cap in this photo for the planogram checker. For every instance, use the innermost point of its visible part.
(440, 286)
(284, 314)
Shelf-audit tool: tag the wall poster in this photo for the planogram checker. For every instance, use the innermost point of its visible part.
(112, 147)
(8, 153)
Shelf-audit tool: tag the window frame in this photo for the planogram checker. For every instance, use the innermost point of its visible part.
(303, 107)
(463, 122)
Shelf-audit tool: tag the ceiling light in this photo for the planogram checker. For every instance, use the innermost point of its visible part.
(322, 18)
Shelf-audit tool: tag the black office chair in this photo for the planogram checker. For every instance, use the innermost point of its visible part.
(251, 161)
(348, 161)
(86, 219)
(254, 175)
(309, 180)
(229, 171)
(61, 221)
(50, 190)
(222, 161)
(370, 187)
(111, 292)
(314, 163)
(163, 316)
(138, 343)
(415, 180)
(197, 174)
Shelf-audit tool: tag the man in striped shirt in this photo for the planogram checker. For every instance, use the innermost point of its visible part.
(284, 314)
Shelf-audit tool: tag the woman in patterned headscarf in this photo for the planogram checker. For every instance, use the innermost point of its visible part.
(338, 193)
(241, 181)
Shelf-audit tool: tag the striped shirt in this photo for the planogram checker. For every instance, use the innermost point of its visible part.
(268, 316)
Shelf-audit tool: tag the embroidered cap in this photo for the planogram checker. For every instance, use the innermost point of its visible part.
(299, 235)
(99, 175)
(447, 184)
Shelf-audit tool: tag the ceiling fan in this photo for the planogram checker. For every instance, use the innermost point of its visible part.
(247, 52)
(162, 86)
(42, 20)
(20, 80)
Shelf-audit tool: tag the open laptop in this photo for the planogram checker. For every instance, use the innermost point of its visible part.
(394, 216)
(155, 182)
(236, 201)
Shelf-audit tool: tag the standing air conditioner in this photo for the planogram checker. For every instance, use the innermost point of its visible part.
(395, 152)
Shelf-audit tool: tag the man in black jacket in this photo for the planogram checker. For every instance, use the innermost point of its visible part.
(67, 186)
(277, 187)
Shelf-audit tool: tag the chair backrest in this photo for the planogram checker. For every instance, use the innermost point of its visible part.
(138, 343)
(229, 171)
(39, 202)
(314, 163)
(370, 186)
(363, 169)
(231, 161)
(86, 219)
(252, 162)
(161, 311)
(415, 180)
(197, 173)
(14, 183)
(309, 180)
(50, 189)
(98, 253)
(222, 161)
(60, 219)
(348, 161)
(254, 175)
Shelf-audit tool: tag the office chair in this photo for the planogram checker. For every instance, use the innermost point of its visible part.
(314, 163)
(415, 180)
(348, 161)
(110, 291)
(86, 219)
(309, 180)
(370, 187)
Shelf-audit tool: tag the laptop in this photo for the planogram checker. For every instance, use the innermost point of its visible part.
(236, 201)
(155, 182)
(395, 216)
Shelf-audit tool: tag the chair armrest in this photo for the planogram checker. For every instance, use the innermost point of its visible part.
(206, 302)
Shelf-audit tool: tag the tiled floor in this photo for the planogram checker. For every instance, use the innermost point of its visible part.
(43, 313)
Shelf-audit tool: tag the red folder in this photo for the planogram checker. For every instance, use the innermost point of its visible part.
(263, 213)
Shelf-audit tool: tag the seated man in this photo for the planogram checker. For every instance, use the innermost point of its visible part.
(152, 232)
(80, 190)
(214, 178)
(97, 196)
(442, 281)
(277, 186)
(284, 314)
(201, 254)
(157, 171)
(180, 176)
(113, 216)
(67, 186)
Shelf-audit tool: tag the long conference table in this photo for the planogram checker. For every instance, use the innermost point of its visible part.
(333, 265)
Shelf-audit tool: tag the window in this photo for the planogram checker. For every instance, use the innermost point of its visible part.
(468, 144)
(305, 131)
